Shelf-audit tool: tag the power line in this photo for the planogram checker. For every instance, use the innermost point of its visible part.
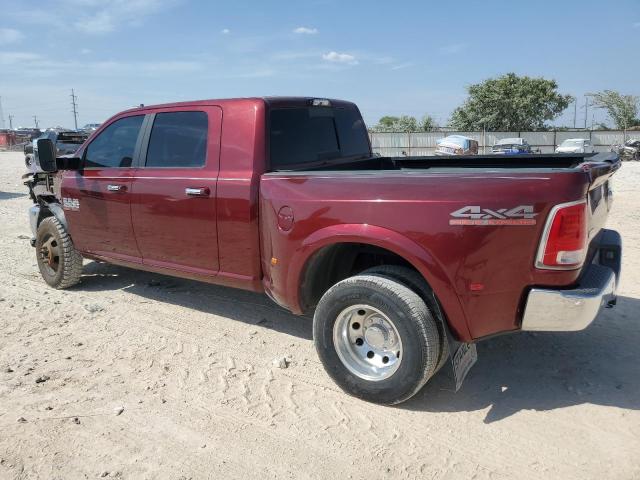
(74, 108)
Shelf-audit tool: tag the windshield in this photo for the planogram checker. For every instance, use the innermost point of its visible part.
(313, 134)
(460, 141)
(572, 143)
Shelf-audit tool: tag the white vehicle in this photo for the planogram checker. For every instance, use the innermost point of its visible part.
(456, 145)
(576, 145)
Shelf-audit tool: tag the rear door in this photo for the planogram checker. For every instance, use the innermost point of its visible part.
(173, 201)
(96, 198)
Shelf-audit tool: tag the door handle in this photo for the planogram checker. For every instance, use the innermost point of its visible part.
(116, 188)
(197, 192)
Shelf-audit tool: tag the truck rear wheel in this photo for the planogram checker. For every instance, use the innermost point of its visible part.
(415, 282)
(376, 338)
(59, 262)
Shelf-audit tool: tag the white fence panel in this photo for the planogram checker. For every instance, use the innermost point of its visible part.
(424, 143)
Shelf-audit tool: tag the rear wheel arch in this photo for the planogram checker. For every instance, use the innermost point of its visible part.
(318, 252)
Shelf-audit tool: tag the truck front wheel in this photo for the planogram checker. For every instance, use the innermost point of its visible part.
(59, 262)
(376, 338)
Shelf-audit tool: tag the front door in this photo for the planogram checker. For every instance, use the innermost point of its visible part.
(173, 203)
(97, 198)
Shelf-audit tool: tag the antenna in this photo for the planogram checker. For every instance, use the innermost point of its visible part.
(74, 106)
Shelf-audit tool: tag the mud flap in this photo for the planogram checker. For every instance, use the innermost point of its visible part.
(464, 357)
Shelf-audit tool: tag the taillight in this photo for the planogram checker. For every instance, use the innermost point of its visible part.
(564, 240)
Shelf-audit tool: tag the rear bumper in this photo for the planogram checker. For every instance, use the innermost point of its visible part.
(572, 310)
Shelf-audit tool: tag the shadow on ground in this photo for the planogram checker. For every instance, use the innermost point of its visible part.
(11, 195)
(248, 307)
(545, 371)
(522, 371)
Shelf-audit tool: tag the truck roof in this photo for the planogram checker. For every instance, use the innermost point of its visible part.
(273, 101)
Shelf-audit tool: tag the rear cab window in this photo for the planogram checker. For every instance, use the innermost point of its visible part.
(311, 135)
(178, 140)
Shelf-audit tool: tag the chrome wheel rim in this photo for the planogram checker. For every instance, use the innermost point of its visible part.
(50, 254)
(367, 342)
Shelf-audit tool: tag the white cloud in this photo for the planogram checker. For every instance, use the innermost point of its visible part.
(636, 25)
(104, 17)
(402, 65)
(305, 30)
(85, 51)
(225, 31)
(453, 48)
(101, 22)
(382, 60)
(10, 58)
(9, 35)
(336, 57)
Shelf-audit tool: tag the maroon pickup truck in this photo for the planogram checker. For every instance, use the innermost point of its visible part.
(403, 262)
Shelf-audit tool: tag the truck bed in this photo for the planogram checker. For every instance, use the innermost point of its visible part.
(480, 271)
(533, 161)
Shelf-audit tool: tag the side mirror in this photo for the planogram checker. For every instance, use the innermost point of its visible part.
(47, 155)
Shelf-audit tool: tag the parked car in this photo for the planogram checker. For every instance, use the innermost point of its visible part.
(511, 146)
(456, 145)
(400, 260)
(66, 142)
(576, 145)
(90, 127)
(629, 150)
(28, 133)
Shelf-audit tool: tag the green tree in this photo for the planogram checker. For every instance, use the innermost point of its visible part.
(404, 123)
(510, 103)
(427, 123)
(387, 122)
(622, 109)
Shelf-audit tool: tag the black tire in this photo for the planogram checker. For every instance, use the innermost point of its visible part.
(415, 282)
(59, 262)
(414, 323)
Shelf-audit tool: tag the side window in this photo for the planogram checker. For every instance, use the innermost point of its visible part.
(115, 145)
(178, 139)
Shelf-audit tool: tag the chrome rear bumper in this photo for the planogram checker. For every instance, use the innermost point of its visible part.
(572, 310)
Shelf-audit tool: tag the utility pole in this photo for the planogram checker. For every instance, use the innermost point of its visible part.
(586, 110)
(586, 107)
(575, 111)
(1, 115)
(10, 122)
(74, 106)
(35, 120)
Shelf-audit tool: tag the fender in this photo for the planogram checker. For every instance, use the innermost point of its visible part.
(55, 209)
(390, 240)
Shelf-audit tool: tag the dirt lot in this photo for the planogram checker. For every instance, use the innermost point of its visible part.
(134, 375)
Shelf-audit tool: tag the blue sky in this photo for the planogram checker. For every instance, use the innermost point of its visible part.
(399, 57)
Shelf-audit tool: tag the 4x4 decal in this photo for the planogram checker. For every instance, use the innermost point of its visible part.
(475, 215)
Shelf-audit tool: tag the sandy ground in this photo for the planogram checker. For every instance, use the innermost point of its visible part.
(154, 377)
